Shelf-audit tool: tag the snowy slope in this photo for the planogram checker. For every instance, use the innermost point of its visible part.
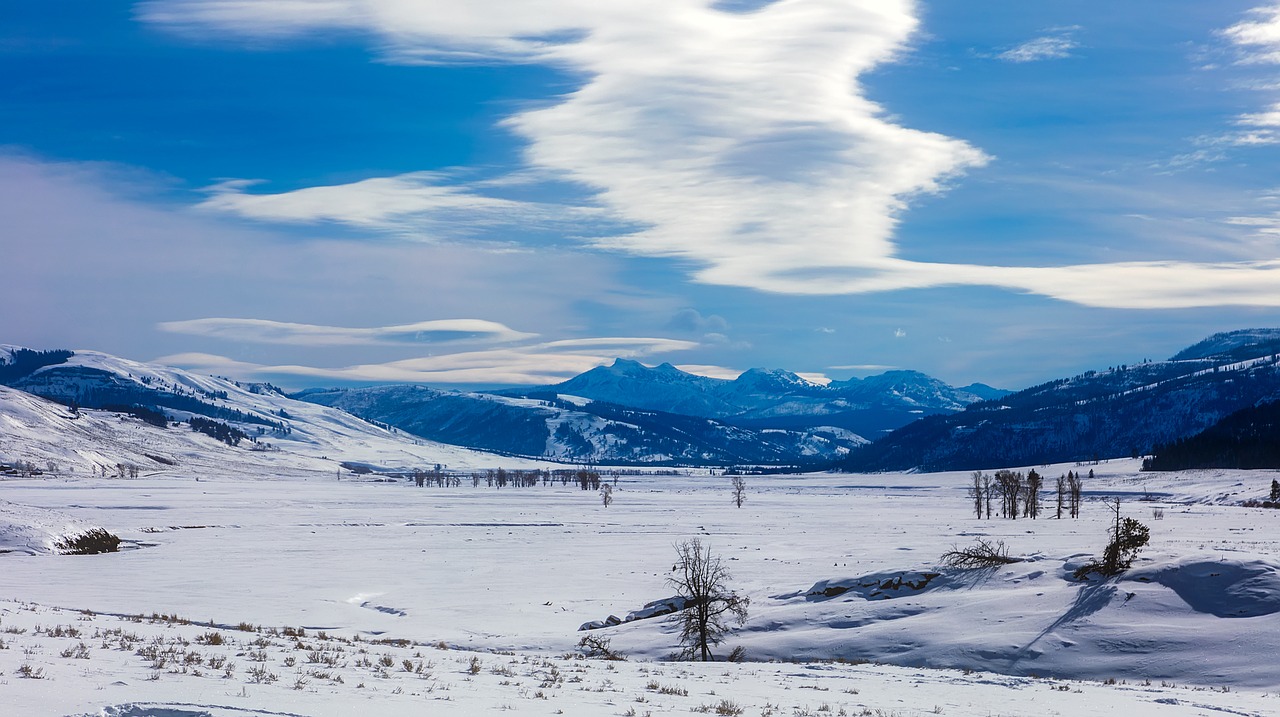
(288, 432)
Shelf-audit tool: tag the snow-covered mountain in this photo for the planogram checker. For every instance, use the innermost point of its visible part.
(575, 429)
(761, 398)
(46, 416)
(1122, 411)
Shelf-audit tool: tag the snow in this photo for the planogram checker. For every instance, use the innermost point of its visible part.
(837, 567)
(36, 430)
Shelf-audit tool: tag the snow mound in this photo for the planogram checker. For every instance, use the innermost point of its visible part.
(1219, 587)
(34, 531)
(878, 586)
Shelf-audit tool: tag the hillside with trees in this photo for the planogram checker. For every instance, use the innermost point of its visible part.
(1123, 411)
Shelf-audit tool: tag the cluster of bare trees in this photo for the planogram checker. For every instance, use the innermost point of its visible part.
(584, 478)
(1069, 487)
(1019, 494)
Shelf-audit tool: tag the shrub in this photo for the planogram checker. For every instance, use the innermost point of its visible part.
(1127, 538)
(90, 542)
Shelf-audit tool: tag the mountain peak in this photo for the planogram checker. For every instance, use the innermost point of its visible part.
(777, 378)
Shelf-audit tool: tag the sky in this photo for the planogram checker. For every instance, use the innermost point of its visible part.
(470, 193)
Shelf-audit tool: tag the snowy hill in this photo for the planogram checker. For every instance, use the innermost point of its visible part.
(1122, 411)
(281, 431)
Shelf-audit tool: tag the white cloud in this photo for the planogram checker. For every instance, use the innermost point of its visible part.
(543, 363)
(421, 205)
(1051, 47)
(741, 144)
(710, 371)
(277, 332)
(1259, 37)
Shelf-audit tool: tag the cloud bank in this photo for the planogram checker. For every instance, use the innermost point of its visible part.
(740, 143)
(542, 363)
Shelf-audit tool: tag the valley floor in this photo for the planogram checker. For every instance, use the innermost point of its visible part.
(468, 600)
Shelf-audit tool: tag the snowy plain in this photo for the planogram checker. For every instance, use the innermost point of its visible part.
(486, 589)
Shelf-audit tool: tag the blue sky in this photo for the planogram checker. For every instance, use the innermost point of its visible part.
(471, 193)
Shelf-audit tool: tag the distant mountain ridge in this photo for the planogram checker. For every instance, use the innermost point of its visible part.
(630, 413)
(771, 398)
(574, 430)
(1123, 411)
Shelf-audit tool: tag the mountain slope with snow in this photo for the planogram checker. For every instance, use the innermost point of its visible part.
(761, 398)
(1123, 411)
(281, 431)
(576, 430)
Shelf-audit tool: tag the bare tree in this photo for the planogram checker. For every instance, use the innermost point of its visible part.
(739, 490)
(1062, 493)
(1074, 489)
(1009, 484)
(1031, 501)
(977, 495)
(702, 579)
(606, 494)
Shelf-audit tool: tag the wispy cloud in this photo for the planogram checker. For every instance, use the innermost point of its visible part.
(277, 332)
(1048, 47)
(739, 143)
(542, 363)
(1258, 37)
(862, 367)
(1258, 42)
(428, 206)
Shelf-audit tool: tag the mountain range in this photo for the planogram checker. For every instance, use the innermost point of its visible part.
(630, 414)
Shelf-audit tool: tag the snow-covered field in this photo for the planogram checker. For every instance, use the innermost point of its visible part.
(507, 576)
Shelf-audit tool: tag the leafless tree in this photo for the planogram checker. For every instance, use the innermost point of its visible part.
(739, 490)
(1074, 489)
(982, 554)
(977, 495)
(1062, 494)
(606, 494)
(702, 579)
(1031, 501)
(1009, 484)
